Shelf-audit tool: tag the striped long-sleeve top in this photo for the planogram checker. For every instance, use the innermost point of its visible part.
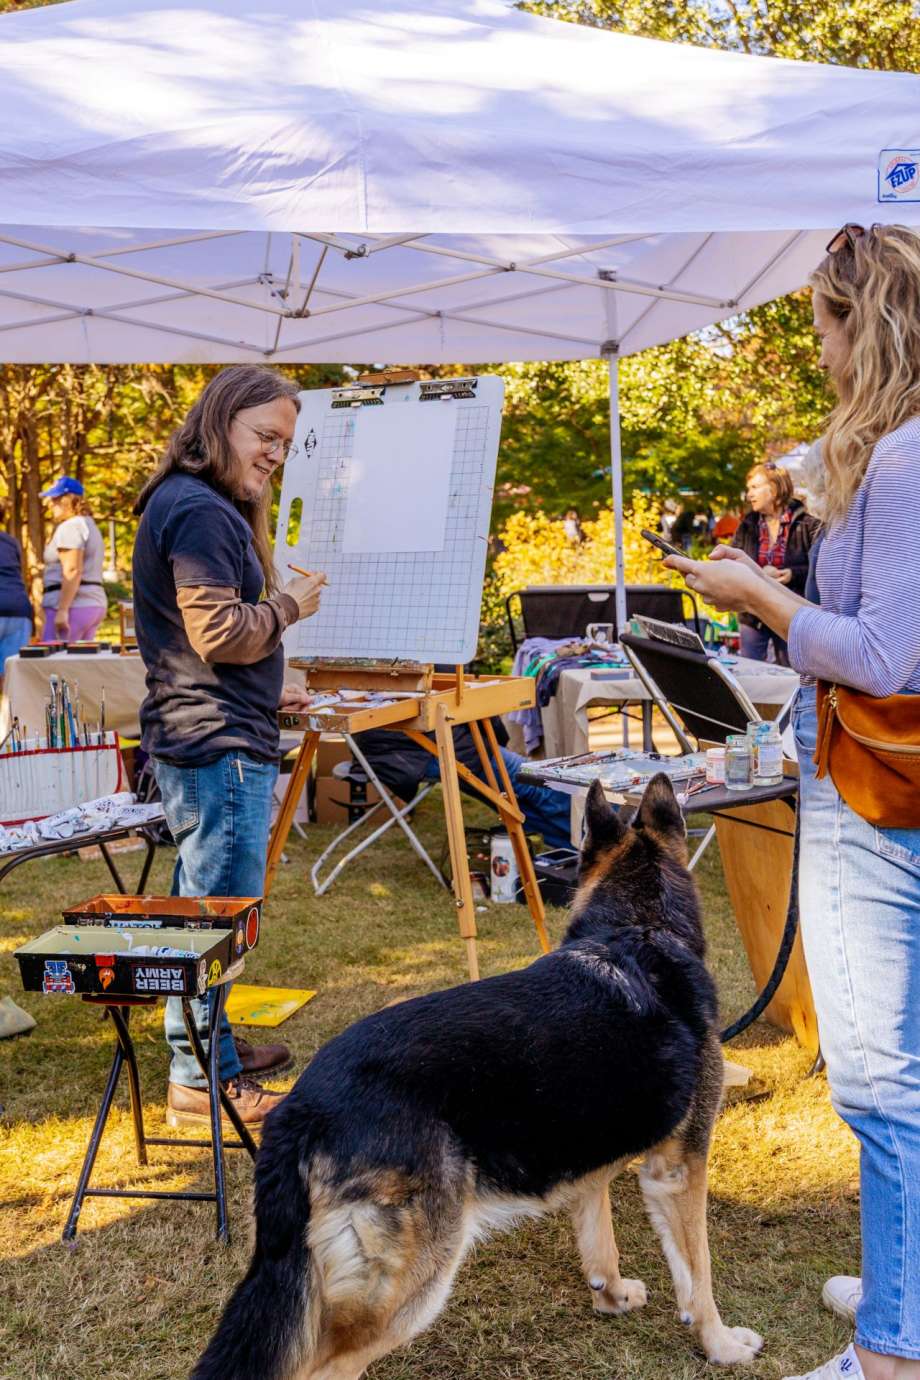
(866, 633)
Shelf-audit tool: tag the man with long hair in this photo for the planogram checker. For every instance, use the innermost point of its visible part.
(209, 618)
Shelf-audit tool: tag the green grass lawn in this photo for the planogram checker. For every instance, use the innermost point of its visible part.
(140, 1293)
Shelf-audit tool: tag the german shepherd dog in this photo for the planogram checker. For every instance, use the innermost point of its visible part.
(426, 1126)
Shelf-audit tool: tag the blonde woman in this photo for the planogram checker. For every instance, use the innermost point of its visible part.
(859, 883)
(73, 600)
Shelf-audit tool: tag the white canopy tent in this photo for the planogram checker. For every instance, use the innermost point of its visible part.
(437, 180)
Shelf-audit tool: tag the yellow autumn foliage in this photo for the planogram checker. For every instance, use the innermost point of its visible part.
(538, 552)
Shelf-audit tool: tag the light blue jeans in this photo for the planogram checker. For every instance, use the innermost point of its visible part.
(859, 897)
(14, 633)
(220, 816)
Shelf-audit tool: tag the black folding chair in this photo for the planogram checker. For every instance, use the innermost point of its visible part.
(566, 610)
(696, 693)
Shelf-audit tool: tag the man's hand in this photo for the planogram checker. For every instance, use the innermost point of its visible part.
(62, 622)
(295, 698)
(306, 591)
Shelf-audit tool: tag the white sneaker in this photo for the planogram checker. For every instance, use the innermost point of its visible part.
(843, 1367)
(842, 1295)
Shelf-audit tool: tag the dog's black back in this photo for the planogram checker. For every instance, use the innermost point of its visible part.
(509, 1087)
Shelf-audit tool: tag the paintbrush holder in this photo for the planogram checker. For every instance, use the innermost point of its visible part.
(38, 781)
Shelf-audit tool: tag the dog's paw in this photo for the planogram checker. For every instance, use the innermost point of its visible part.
(732, 1346)
(621, 1297)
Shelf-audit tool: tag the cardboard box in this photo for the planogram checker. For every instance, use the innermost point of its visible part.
(331, 750)
(333, 796)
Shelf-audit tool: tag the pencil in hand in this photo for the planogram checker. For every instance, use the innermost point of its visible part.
(310, 574)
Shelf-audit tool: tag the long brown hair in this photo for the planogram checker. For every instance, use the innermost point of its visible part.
(872, 285)
(201, 446)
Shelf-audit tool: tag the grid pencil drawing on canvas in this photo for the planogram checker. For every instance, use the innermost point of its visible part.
(408, 582)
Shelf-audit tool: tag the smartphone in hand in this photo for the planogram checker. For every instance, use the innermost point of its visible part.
(660, 542)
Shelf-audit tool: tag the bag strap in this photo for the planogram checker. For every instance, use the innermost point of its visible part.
(827, 713)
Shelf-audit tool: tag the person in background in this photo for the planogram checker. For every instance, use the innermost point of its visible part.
(73, 601)
(211, 644)
(16, 617)
(571, 525)
(777, 533)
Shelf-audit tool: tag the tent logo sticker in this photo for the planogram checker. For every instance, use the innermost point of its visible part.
(899, 175)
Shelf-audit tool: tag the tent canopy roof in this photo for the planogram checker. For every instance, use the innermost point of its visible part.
(422, 179)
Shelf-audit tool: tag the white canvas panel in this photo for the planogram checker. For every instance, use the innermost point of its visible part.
(399, 480)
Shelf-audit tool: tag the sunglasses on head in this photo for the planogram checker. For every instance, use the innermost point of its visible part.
(847, 236)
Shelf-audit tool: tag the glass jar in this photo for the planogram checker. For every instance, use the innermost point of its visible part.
(767, 748)
(739, 765)
(715, 766)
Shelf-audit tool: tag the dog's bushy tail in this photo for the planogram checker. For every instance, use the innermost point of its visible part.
(266, 1329)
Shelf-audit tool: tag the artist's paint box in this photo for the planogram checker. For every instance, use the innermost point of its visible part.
(142, 945)
(163, 962)
(242, 914)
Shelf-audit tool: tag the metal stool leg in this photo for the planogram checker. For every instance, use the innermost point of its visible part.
(204, 1064)
(120, 1015)
(102, 1116)
(217, 1135)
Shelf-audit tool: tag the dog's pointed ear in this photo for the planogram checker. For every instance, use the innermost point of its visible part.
(603, 824)
(659, 811)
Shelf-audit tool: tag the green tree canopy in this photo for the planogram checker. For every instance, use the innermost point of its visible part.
(696, 412)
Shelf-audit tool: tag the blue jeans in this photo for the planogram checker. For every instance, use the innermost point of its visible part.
(14, 633)
(755, 643)
(220, 816)
(547, 812)
(859, 896)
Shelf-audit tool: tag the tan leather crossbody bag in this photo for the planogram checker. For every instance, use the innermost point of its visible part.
(871, 747)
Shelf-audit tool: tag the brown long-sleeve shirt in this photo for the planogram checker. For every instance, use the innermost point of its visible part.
(221, 628)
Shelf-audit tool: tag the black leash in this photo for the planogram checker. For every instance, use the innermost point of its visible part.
(785, 949)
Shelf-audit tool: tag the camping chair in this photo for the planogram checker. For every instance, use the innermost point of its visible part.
(415, 788)
(697, 694)
(566, 610)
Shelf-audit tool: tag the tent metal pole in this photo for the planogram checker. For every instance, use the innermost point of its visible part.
(616, 476)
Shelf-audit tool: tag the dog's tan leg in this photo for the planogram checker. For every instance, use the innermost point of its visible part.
(674, 1188)
(600, 1259)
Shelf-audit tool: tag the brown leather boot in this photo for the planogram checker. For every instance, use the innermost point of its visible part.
(191, 1107)
(258, 1059)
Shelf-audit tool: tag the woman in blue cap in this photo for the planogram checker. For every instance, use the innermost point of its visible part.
(73, 601)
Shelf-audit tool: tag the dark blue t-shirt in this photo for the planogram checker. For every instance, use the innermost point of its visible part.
(14, 601)
(189, 534)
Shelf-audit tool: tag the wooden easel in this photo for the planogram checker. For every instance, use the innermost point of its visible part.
(424, 701)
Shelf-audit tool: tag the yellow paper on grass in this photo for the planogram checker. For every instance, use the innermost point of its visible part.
(264, 1005)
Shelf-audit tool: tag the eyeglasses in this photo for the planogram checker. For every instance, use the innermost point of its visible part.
(271, 444)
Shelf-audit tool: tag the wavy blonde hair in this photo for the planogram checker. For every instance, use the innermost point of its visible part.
(872, 285)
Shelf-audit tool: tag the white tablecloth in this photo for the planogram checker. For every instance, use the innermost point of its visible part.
(27, 681)
(565, 718)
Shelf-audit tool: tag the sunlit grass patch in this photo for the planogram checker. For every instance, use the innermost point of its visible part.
(138, 1296)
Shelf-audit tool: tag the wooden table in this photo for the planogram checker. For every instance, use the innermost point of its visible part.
(757, 843)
